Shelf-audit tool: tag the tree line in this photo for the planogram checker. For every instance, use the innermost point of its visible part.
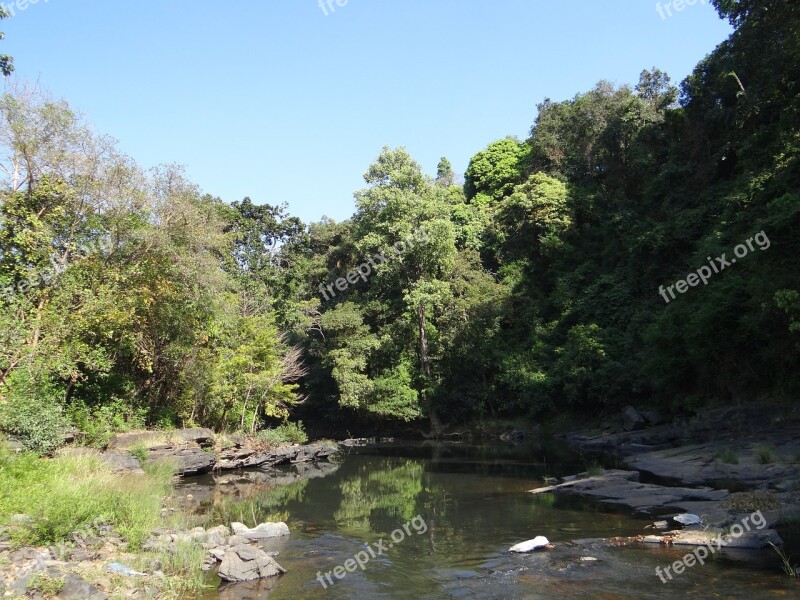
(128, 298)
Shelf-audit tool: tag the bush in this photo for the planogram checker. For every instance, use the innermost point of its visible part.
(765, 453)
(288, 433)
(97, 424)
(33, 414)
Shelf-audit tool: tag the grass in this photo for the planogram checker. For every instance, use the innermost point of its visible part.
(765, 453)
(788, 568)
(183, 568)
(66, 494)
(47, 585)
(727, 456)
(140, 452)
(69, 493)
(594, 470)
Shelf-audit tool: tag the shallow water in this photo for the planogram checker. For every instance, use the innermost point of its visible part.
(474, 505)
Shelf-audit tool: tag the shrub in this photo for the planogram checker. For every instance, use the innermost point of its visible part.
(765, 453)
(97, 424)
(33, 414)
(288, 433)
(727, 456)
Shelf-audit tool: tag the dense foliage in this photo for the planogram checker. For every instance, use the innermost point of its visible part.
(131, 299)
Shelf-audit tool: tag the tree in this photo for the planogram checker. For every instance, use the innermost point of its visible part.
(493, 172)
(6, 62)
(445, 176)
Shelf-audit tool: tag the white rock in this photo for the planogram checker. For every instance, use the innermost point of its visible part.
(263, 531)
(531, 545)
(688, 519)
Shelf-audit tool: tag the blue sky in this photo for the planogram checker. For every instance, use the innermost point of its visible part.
(274, 100)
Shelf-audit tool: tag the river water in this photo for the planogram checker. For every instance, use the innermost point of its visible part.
(462, 507)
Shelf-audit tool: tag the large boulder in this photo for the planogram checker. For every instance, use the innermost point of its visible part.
(633, 419)
(246, 563)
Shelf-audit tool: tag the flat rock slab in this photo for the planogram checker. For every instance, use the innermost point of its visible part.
(122, 462)
(697, 464)
(198, 435)
(624, 489)
(244, 458)
(754, 539)
(189, 460)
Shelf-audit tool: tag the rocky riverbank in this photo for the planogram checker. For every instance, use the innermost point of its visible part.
(198, 451)
(722, 466)
(98, 561)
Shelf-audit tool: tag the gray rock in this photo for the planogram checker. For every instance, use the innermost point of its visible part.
(632, 419)
(653, 417)
(262, 532)
(122, 462)
(189, 460)
(245, 563)
(77, 588)
(201, 436)
(237, 540)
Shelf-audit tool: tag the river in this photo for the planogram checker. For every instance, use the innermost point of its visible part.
(462, 507)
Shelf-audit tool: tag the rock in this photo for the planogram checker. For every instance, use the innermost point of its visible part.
(535, 544)
(237, 540)
(218, 536)
(632, 419)
(74, 588)
(755, 539)
(189, 460)
(217, 554)
(122, 462)
(653, 417)
(77, 588)
(661, 524)
(20, 520)
(515, 436)
(201, 436)
(245, 563)
(82, 555)
(262, 532)
(125, 441)
(12, 444)
(687, 519)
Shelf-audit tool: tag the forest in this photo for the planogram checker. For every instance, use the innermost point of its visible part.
(530, 287)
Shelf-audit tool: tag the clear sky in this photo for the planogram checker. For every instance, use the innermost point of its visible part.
(276, 100)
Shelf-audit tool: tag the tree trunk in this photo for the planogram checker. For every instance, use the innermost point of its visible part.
(425, 363)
